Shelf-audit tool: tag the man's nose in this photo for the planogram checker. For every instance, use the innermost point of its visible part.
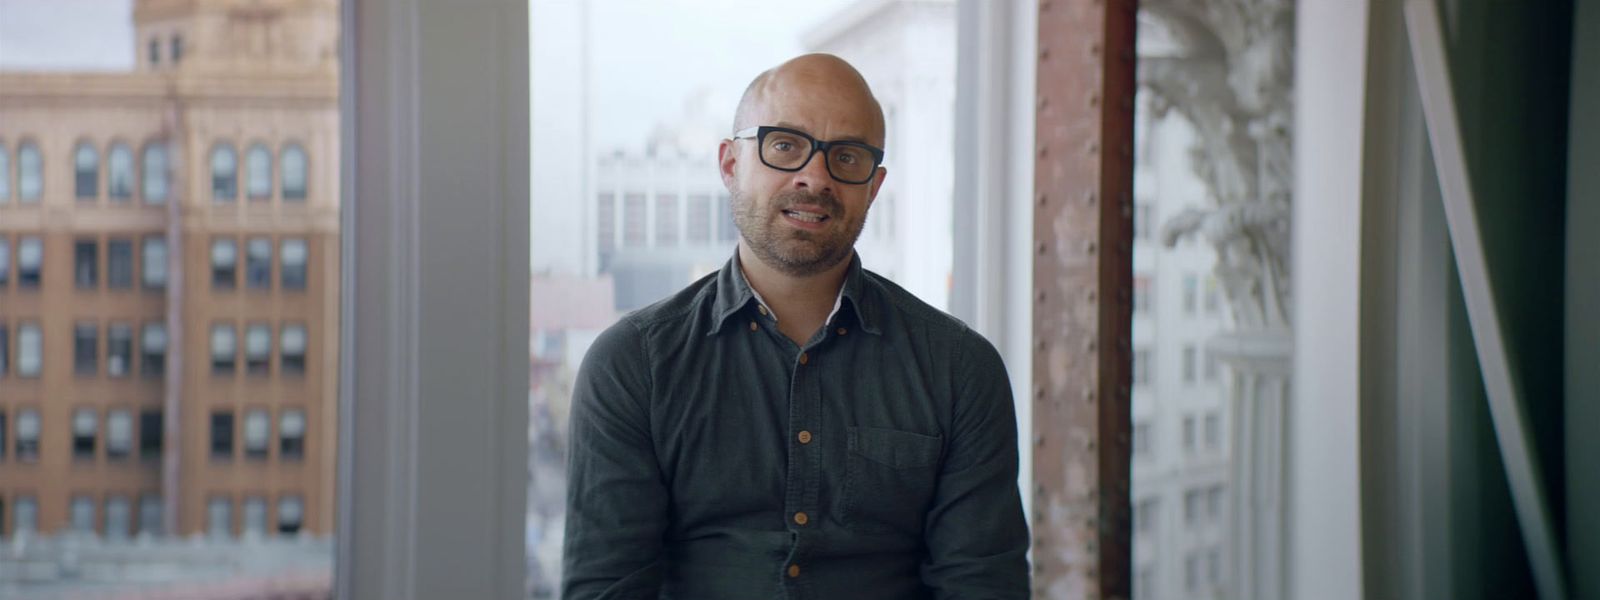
(814, 176)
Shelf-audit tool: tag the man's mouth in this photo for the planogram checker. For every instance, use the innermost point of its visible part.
(805, 216)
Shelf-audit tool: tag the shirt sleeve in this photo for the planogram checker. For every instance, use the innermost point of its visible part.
(976, 537)
(616, 497)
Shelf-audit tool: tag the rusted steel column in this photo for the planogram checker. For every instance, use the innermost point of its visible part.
(1082, 281)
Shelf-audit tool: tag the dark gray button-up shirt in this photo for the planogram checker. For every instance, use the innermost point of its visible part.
(711, 458)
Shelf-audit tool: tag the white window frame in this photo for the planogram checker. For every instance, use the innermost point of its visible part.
(428, 90)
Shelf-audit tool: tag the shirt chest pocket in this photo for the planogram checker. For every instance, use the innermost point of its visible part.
(889, 479)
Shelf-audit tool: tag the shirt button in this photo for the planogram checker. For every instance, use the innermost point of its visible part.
(843, 331)
(753, 326)
(763, 310)
(804, 358)
(805, 437)
(794, 570)
(800, 518)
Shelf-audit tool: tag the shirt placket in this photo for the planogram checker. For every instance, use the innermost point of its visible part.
(803, 479)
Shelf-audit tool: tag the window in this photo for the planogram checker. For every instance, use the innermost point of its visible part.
(1144, 517)
(1142, 440)
(150, 427)
(5, 350)
(118, 517)
(699, 224)
(5, 258)
(84, 429)
(1213, 566)
(1143, 223)
(25, 516)
(1144, 582)
(1213, 431)
(726, 232)
(292, 435)
(1141, 294)
(1188, 363)
(257, 349)
(223, 349)
(3, 450)
(85, 349)
(292, 271)
(290, 511)
(119, 180)
(606, 215)
(1192, 500)
(1211, 295)
(224, 264)
(633, 219)
(150, 514)
(258, 263)
(153, 350)
(219, 517)
(1142, 367)
(155, 173)
(1214, 503)
(255, 516)
(27, 435)
(257, 434)
(119, 349)
(154, 52)
(119, 263)
(119, 433)
(666, 220)
(1211, 366)
(293, 166)
(177, 49)
(5, 180)
(224, 173)
(154, 265)
(86, 263)
(1190, 291)
(1188, 433)
(30, 350)
(1191, 572)
(82, 515)
(258, 172)
(293, 346)
(30, 262)
(86, 172)
(30, 173)
(222, 435)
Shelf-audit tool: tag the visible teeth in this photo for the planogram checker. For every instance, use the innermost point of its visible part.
(805, 216)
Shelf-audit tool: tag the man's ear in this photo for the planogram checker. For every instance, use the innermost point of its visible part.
(877, 182)
(726, 156)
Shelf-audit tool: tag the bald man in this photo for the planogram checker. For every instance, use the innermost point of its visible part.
(794, 426)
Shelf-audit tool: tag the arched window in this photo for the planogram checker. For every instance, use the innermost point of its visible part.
(258, 172)
(5, 174)
(293, 166)
(86, 172)
(30, 173)
(224, 173)
(119, 182)
(155, 173)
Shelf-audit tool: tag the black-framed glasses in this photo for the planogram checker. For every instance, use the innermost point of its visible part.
(790, 150)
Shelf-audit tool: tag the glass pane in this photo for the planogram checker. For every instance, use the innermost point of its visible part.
(202, 101)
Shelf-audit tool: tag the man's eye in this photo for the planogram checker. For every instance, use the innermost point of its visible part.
(782, 146)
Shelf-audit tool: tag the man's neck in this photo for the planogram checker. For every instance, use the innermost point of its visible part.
(801, 304)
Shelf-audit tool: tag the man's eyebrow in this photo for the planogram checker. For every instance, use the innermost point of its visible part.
(849, 138)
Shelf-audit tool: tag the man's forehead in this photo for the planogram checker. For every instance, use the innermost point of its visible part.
(813, 91)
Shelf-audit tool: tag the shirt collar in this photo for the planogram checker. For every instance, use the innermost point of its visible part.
(733, 292)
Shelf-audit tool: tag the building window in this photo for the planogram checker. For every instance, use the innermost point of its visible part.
(1191, 289)
(605, 211)
(1214, 503)
(222, 435)
(1192, 501)
(119, 180)
(154, 52)
(1144, 582)
(150, 427)
(293, 345)
(666, 220)
(30, 262)
(224, 264)
(150, 514)
(25, 516)
(1143, 368)
(5, 259)
(219, 517)
(258, 172)
(1213, 431)
(5, 180)
(1188, 433)
(258, 263)
(224, 173)
(1211, 366)
(292, 435)
(118, 517)
(153, 350)
(5, 351)
(223, 349)
(633, 220)
(292, 269)
(86, 349)
(257, 349)
(30, 350)
(1189, 365)
(119, 349)
(699, 224)
(86, 172)
(86, 263)
(1213, 566)
(1191, 572)
(726, 232)
(154, 264)
(1211, 295)
(28, 435)
(30, 173)
(4, 449)
(1143, 225)
(84, 430)
(1141, 294)
(82, 515)
(119, 433)
(1144, 517)
(257, 434)
(177, 49)
(255, 516)
(119, 263)
(1142, 440)
(291, 510)
(155, 173)
(293, 166)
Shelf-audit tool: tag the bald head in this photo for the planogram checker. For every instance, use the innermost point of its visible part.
(813, 78)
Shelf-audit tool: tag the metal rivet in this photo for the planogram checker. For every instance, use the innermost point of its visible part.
(1090, 198)
(1089, 247)
(1042, 151)
(1041, 199)
(1042, 247)
(1044, 52)
(1094, 147)
(1094, 100)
